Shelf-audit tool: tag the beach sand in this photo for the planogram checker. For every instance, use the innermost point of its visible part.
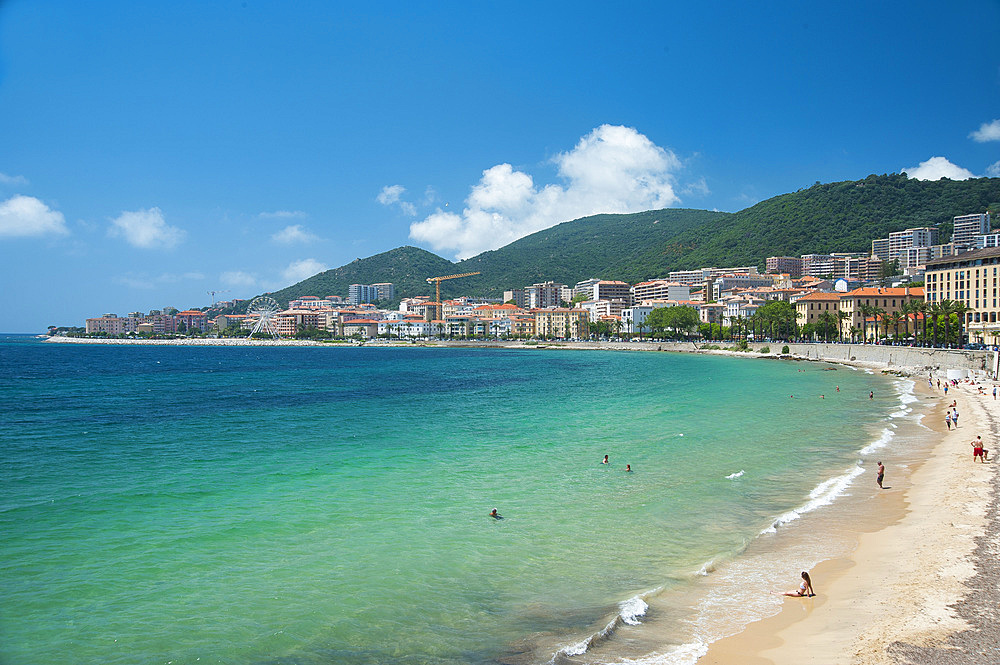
(924, 588)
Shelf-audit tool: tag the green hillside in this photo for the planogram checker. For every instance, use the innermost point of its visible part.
(834, 217)
(406, 267)
(599, 246)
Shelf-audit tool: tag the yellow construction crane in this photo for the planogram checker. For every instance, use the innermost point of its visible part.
(438, 280)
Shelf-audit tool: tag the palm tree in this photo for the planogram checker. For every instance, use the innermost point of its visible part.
(945, 308)
(880, 314)
(828, 320)
(894, 319)
(960, 309)
(865, 311)
(841, 317)
(854, 333)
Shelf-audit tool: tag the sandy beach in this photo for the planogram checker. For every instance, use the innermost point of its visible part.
(923, 589)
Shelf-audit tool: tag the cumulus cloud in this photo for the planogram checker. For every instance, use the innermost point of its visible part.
(24, 216)
(13, 180)
(993, 170)
(300, 270)
(146, 229)
(237, 278)
(988, 131)
(391, 195)
(936, 168)
(613, 169)
(291, 235)
(283, 214)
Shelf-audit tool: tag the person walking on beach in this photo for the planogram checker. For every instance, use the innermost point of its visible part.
(947, 420)
(994, 392)
(871, 394)
(805, 588)
(880, 474)
(945, 389)
(954, 417)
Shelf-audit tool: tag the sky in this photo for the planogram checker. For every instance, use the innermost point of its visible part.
(154, 153)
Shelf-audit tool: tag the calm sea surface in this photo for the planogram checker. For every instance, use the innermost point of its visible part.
(330, 505)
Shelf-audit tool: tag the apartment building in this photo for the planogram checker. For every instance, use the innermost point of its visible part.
(967, 227)
(562, 322)
(660, 289)
(790, 265)
(544, 294)
(603, 289)
(890, 300)
(810, 307)
(703, 275)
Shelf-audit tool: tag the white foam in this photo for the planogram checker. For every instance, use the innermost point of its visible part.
(632, 610)
(880, 442)
(684, 654)
(822, 495)
(735, 475)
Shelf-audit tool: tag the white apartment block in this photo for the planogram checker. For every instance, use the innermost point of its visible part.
(880, 248)
(634, 319)
(702, 275)
(660, 289)
(967, 227)
(988, 240)
(602, 289)
(900, 241)
(599, 308)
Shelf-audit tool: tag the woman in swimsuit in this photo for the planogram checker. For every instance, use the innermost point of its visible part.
(805, 589)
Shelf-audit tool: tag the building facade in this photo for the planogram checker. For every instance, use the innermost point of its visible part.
(969, 278)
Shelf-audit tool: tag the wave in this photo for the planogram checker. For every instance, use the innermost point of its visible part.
(733, 476)
(822, 495)
(630, 612)
(881, 442)
(683, 654)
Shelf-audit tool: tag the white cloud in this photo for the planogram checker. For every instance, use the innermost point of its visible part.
(988, 131)
(993, 170)
(22, 216)
(293, 234)
(300, 270)
(936, 168)
(146, 229)
(391, 194)
(13, 180)
(238, 278)
(283, 214)
(613, 169)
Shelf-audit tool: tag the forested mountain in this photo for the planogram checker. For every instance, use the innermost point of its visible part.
(833, 217)
(406, 267)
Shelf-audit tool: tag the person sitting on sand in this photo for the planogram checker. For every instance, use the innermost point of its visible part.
(805, 589)
(495, 515)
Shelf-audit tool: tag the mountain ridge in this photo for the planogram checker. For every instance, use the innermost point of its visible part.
(842, 216)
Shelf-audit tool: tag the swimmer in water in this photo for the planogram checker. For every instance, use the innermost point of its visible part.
(495, 515)
(628, 468)
(605, 460)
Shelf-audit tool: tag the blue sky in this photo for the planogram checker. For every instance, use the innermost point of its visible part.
(153, 152)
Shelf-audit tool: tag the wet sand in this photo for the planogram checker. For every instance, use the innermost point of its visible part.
(924, 588)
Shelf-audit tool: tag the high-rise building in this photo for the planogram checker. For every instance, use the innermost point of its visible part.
(967, 227)
(880, 248)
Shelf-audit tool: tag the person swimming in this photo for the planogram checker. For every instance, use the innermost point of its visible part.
(628, 468)
(605, 460)
(495, 515)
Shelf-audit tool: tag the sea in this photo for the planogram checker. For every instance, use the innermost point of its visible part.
(330, 505)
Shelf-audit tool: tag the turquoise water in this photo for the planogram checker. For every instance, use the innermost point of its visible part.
(328, 505)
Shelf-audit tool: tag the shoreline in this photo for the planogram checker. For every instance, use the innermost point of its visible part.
(920, 582)
(903, 592)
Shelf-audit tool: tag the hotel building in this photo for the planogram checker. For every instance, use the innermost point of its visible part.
(969, 278)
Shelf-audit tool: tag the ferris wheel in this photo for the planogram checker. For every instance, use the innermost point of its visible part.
(263, 312)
